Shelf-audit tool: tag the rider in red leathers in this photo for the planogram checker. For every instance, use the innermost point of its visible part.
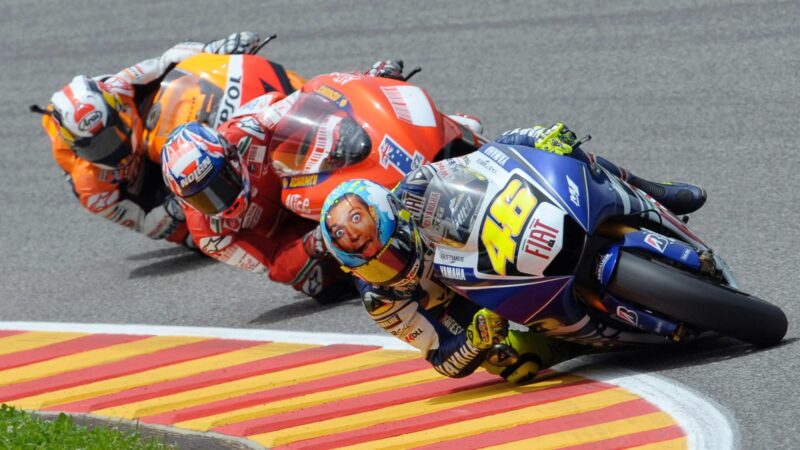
(232, 195)
(95, 125)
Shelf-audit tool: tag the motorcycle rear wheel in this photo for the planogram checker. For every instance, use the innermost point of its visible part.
(697, 301)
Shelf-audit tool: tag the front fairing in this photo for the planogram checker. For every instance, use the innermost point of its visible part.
(522, 248)
(404, 127)
(209, 88)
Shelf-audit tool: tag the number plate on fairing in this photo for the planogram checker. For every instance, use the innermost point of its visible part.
(517, 230)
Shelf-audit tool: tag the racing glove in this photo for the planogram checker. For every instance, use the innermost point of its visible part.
(313, 243)
(236, 44)
(390, 68)
(486, 329)
(557, 139)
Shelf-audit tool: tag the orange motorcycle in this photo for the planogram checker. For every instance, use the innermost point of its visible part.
(343, 126)
(208, 88)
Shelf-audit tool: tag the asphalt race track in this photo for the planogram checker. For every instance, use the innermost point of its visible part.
(685, 90)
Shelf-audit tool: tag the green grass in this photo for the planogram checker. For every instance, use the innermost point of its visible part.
(20, 430)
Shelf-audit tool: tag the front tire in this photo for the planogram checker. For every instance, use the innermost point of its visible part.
(697, 301)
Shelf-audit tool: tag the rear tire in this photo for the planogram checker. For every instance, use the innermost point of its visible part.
(697, 301)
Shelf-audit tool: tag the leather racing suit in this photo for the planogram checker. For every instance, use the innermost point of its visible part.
(133, 196)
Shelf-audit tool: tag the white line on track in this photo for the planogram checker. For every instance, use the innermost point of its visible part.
(706, 424)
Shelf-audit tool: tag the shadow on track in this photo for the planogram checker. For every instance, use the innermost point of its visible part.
(703, 351)
(302, 306)
(160, 253)
(183, 261)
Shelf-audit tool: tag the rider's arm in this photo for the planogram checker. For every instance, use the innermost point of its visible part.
(402, 315)
(151, 69)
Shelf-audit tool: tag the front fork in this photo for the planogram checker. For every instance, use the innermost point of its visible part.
(646, 241)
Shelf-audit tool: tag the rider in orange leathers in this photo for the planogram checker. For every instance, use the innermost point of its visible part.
(96, 130)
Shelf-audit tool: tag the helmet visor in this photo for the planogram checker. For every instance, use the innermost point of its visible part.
(220, 194)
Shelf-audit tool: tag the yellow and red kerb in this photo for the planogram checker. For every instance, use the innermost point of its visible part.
(318, 396)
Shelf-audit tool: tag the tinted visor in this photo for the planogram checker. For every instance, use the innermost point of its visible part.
(109, 147)
(220, 193)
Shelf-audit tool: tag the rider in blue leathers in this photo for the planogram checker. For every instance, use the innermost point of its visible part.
(383, 239)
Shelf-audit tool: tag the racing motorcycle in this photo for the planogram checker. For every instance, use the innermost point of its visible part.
(342, 126)
(568, 249)
(208, 88)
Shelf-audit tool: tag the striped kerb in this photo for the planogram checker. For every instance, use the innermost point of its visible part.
(292, 396)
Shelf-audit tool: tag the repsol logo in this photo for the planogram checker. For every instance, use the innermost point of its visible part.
(230, 101)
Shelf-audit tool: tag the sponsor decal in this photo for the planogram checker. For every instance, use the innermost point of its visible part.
(686, 254)
(459, 359)
(99, 202)
(194, 172)
(497, 155)
(461, 209)
(451, 324)
(214, 244)
(336, 97)
(657, 242)
(390, 322)
(430, 209)
(413, 203)
(252, 216)
(602, 265)
(628, 315)
(90, 120)
(540, 240)
(453, 273)
(392, 154)
(298, 203)
(411, 105)
(411, 337)
(448, 257)
(376, 305)
(483, 328)
(300, 181)
(251, 127)
(486, 164)
(313, 283)
(232, 96)
(344, 78)
(574, 192)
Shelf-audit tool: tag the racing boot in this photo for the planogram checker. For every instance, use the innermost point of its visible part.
(534, 352)
(680, 198)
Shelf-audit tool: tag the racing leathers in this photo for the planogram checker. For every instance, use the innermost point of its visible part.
(266, 237)
(134, 195)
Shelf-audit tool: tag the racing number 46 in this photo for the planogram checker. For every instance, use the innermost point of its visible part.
(507, 215)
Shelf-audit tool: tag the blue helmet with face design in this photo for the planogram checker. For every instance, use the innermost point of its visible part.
(366, 229)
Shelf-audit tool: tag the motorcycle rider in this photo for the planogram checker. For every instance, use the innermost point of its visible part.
(231, 195)
(397, 281)
(95, 125)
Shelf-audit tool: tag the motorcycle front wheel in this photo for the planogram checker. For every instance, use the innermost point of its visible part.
(697, 301)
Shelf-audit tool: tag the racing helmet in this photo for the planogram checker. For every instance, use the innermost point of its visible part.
(94, 122)
(203, 170)
(368, 232)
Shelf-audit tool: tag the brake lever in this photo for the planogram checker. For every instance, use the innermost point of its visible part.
(262, 44)
(413, 72)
